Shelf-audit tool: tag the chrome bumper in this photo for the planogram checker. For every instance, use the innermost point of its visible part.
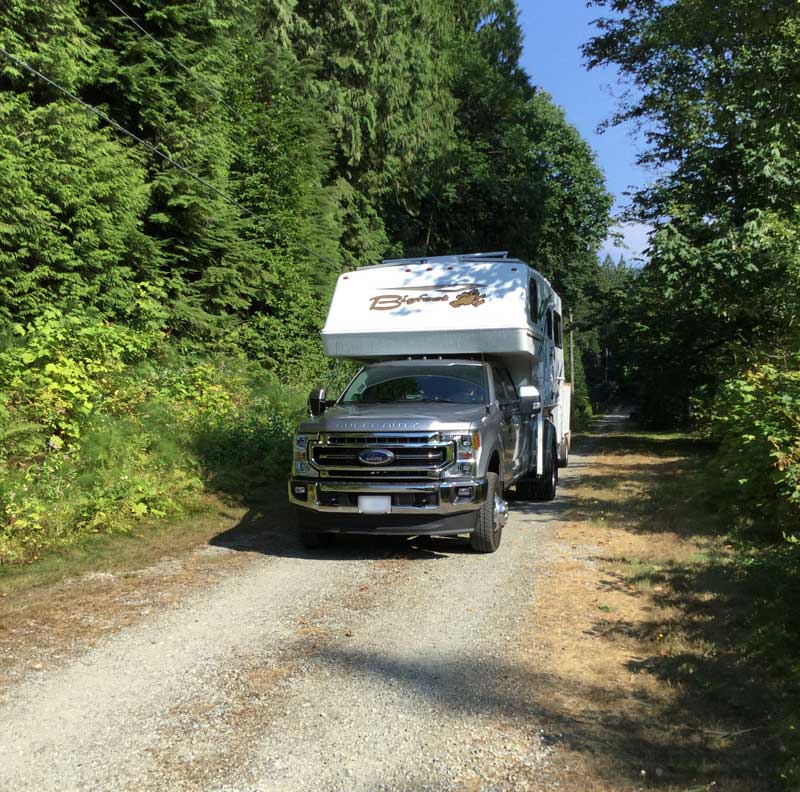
(442, 496)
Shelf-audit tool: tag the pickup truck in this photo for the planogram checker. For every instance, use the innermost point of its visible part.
(430, 444)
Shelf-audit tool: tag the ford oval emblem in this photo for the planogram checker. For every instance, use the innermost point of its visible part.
(376, 456)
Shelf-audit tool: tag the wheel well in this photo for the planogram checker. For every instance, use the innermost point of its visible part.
(553, 432)
(494, 463)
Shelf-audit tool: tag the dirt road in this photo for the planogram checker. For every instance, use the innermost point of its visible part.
(584, 656)
(365, 666)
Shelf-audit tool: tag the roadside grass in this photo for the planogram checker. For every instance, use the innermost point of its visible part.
(141, 438)
(120, 552)
(718, 621)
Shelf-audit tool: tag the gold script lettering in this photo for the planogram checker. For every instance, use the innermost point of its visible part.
(390, 302)
(385, 302)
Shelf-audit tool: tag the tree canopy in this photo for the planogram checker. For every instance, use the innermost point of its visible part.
(715, 90)
(351, 129)
(713, 323)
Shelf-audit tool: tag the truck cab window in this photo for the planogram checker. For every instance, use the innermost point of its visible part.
(501, 390)
(534, 300)
(557, 331)
(387, 384)
(509, 383)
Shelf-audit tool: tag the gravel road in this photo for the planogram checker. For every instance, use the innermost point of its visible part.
(364, 666)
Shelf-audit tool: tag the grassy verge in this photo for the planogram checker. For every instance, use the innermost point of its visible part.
(670, 657)
(121, 552)
(723, 630)
(105, 440)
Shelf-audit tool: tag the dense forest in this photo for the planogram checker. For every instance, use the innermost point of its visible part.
(180, 184)
(708, 336)
(182, 181)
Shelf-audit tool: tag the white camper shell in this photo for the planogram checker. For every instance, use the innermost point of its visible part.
(486, 305)
(448, 305)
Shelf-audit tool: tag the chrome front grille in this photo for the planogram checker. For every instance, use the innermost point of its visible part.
(379, 439)
(423, 454)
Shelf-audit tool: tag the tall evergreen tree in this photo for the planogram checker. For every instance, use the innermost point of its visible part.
(718, 95)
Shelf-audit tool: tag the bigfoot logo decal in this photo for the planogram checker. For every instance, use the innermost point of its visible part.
(463, 293)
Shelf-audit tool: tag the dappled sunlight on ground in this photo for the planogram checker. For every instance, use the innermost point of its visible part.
(637, 663)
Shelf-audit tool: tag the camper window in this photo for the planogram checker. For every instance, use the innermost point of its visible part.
(550, 323)
(534, 300)
(557, 330)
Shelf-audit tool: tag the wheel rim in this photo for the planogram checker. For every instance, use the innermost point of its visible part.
(500, 514)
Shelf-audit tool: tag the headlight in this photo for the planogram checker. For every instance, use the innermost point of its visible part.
(300, 454)
(301, 442)
(467, 446)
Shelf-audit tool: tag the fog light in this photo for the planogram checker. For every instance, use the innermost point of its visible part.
(300, 491)
(464, 492)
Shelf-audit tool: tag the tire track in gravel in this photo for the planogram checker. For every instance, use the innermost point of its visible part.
(95, 724)
(338, 672)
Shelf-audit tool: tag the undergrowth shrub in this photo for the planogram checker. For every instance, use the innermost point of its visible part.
(102, 427)
(756, 418)
(61, 365)
(239, 420)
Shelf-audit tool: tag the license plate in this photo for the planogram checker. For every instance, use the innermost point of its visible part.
(375, 504)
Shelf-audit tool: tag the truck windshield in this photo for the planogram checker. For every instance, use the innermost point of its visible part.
(447, 383)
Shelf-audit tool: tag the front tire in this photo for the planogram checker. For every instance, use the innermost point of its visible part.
(544, 486)
(489, 530)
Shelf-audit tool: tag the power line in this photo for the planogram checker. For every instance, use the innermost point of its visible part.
(101, 115)
(171, 56)
(212, 92)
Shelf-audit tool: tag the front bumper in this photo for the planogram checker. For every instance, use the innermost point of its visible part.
(423, 499)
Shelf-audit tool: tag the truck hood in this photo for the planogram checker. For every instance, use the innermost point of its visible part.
(407, 417)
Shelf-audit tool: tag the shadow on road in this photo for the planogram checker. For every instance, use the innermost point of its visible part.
(267, 528)
(523, 695)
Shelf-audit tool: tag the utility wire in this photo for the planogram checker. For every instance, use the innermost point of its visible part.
(211, 91)
(188, 69)
(101, 115)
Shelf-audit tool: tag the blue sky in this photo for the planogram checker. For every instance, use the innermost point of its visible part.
(554, 32)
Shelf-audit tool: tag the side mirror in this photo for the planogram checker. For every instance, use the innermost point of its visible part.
(530, 400)
(317, 401)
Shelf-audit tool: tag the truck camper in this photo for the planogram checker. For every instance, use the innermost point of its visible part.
(461, 395)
